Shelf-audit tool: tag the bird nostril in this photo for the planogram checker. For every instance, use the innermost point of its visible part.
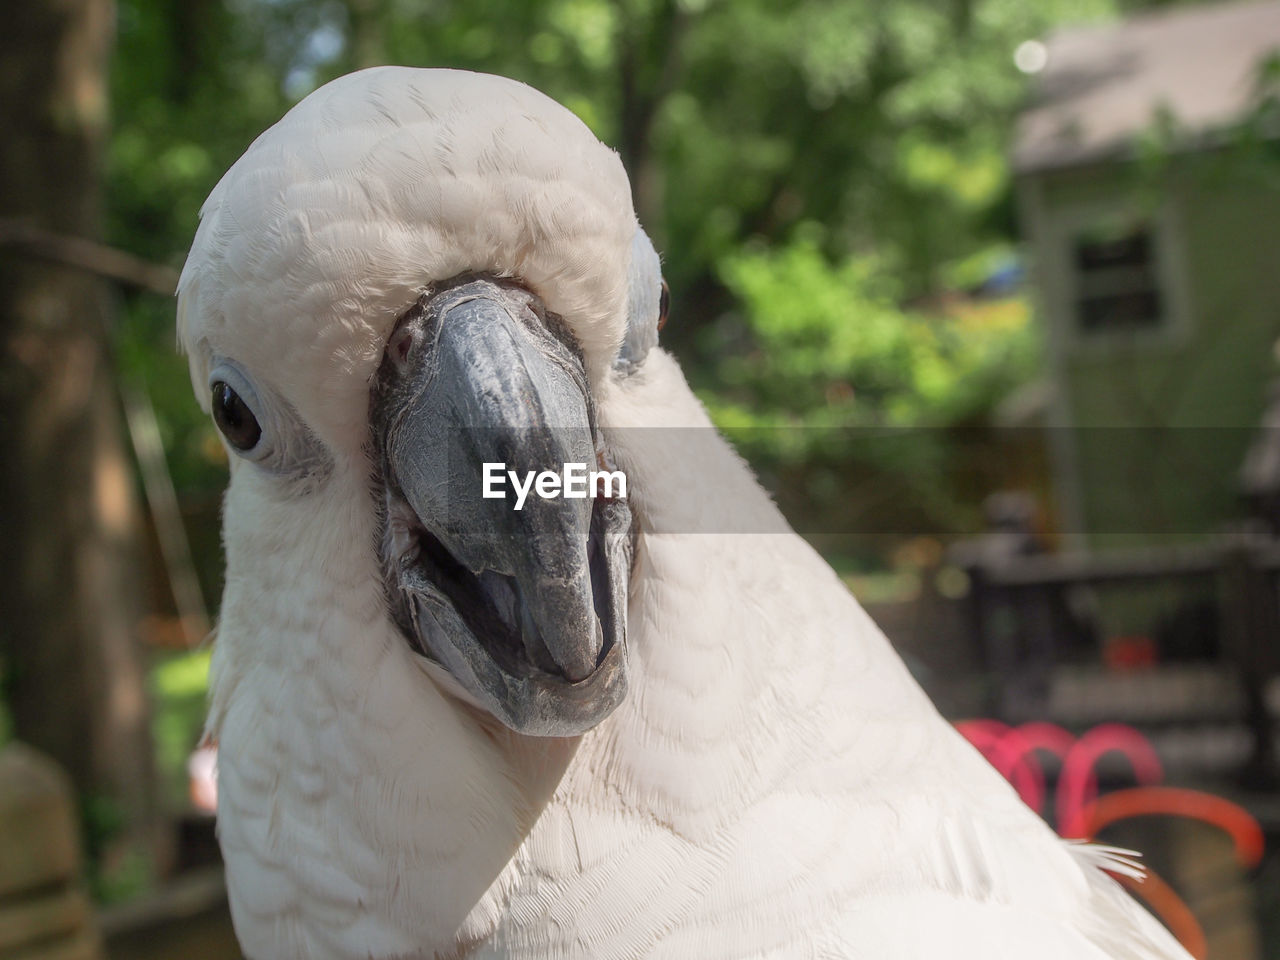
(400, 347)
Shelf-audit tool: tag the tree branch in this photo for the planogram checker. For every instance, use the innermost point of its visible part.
(97, 258)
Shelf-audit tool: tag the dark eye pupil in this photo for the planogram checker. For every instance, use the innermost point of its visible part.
(234, 418)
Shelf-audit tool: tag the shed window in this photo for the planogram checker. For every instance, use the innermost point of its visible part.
(1116, 280)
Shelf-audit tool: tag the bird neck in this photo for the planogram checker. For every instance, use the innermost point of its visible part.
(345, 774)
(682, 476)
(730, 621)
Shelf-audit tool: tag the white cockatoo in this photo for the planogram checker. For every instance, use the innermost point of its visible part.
(651, 726)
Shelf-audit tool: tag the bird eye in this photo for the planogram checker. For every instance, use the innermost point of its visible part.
(664, 304)
(234, 418)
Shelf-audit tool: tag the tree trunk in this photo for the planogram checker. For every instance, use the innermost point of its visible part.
(70, 596)
(649, 65)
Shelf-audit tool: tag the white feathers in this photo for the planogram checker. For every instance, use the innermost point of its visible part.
(378, 184)
(775, 784)
(644, 284)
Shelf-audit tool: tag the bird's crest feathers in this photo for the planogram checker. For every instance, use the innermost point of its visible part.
(383, 182)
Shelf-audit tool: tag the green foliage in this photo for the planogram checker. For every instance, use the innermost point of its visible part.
(118, 870)
(830, 346)
(743, 124)
(178, 688)
(836, 388)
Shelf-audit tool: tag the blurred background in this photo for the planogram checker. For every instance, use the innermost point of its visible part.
(987, 291)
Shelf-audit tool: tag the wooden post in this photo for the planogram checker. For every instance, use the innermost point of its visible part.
(1251, 621)
(44, 911)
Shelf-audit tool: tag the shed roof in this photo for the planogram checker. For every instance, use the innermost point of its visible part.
(1102, 85)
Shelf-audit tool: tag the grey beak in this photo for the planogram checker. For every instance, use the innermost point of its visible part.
(481, 378)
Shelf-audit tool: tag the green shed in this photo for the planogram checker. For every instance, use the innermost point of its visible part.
(1148, 181)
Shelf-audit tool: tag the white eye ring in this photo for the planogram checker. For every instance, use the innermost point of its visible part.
(286, 446)
(240, 386)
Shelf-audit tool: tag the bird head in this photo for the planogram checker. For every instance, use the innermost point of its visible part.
(413, 274)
